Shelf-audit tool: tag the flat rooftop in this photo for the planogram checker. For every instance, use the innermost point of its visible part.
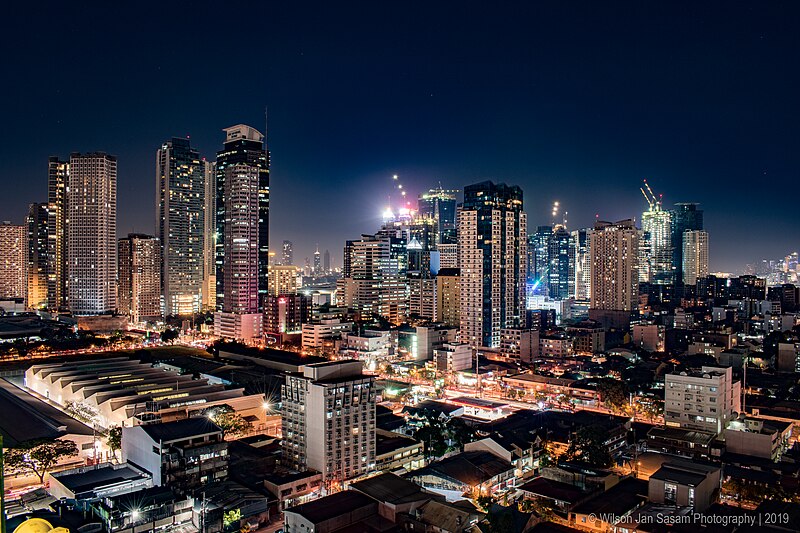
(94, 479)
(329, 507)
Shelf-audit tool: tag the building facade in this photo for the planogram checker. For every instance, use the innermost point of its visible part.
(139, 292)
(685, 217)
(244, 146)
(13, 261)
(328, 420)
(92, 234)
(695, 256)
(57, 182)
(706, 400)
(614, 268)
(180, 223)
(38, 256)
(493, 254)
(657, 235)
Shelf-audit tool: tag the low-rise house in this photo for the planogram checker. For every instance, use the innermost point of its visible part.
(293, 488)
(685, 484)
(618, 502)
(144, 510)
(469, 473)
(683, 442)
(346, 509)
(758, 437)
(89, 483)
(520, 449)
(228, 505)
(555, 494)
(395, 495)
(395, 452)
(443, 517)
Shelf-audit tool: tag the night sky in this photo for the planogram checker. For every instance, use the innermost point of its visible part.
(575, 102)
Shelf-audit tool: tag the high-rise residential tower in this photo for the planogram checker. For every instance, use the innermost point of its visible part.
(614, 271)
(38, 256)
(440, 205)
(582, 262)
(685, 217)
(243, 145)
(241, 238)
(657, 233)
(539, 259)
(140, 277)
(560, 274)
(92, 234)
(13, 261)
(492, 229)
(695, 256)
(209, 237)
(180, 225)
(57, 182)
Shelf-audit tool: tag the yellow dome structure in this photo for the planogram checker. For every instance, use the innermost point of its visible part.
(39, 525)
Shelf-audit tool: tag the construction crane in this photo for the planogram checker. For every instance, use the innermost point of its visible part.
(653, 201)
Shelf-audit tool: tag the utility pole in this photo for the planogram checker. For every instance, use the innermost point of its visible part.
(2, 491)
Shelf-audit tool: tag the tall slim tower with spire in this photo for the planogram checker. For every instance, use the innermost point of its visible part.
(317, 262)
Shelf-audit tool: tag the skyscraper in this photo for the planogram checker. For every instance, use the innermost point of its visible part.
(560, 282)
(685, 217)
(287, 254)
(448, 297)
(615, 275)
(13, 261)
(657, 233)
(180, 225)
(582, 262)
(492, 229)
(38, 256)
(539, 259)
(209, 237)
(243, 145)
(373, 283)
(140, 277)
(440, 205)
(695, 256)
(326, 262)
(241, 238)
(317, 262)
(57, 181)
(241, 316)
(92, 234)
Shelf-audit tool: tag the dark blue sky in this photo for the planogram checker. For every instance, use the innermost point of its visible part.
(575, 102)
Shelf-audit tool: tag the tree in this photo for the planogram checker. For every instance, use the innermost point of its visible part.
(114, 439)
(81, 411)
(588, 446)
(169, 335)
(38, 456)
(613, 394)
(228, 420)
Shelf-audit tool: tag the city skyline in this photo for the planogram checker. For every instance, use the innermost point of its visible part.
(578, 115)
